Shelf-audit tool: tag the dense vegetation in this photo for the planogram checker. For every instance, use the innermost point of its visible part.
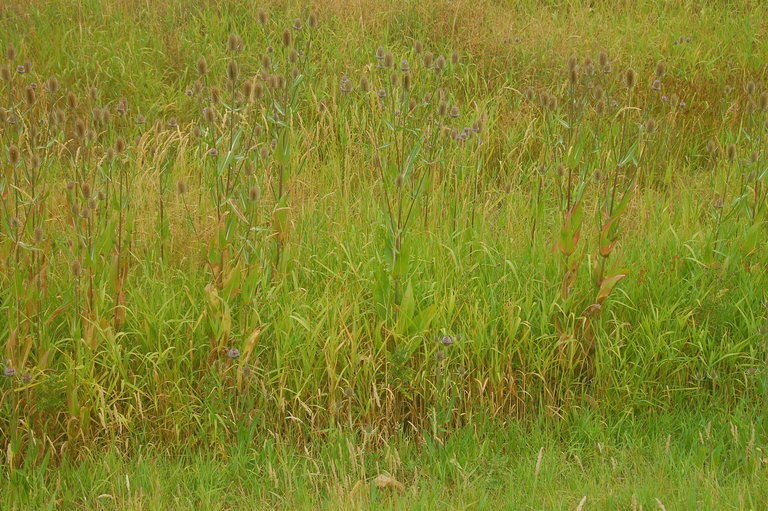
(416, 247)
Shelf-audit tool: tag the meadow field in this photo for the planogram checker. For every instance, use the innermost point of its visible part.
(360, 254)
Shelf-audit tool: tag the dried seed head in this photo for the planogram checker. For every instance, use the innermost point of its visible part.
(552, 103)
(86, 190)
(750, 87)
(76, 268)
(297, 24)
(454, 111)
(763, 101)
(442, 108)
(406, 82)
(100, 195)
(293, 56)
(412, 104)
(455, 57)
(365, 85)
(119, 145)
(379, 53)
(258, 90)
(312, 20)
(287, 37)
(202, 66)
(399, 180)
(603, 59)
(10, 52)
(93, 93)
(15, 223)
(5, 73)
(389, 60)
(233, 70)
(661, 69)
(215, 95)
(14, 155)
(730, 152)
(106, 116)
(440, 63)
(85, 212)
(254, 193)
(417, 46)
(573, 77)
(3, 115)
(573, 62)
(428, 58)
(656, 85)
(235, 43)
(52, 85)
(629, 78)
(404, 67)
(140, 119)
(712, 147)
(529, 94)
(72, 100)
(393, 78)
(181, 187)
(91, 203)
(650, 126)
(754, 157)
(262, 16)
(39, 235)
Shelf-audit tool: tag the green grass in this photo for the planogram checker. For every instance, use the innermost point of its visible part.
(436, 281)
(684, 460)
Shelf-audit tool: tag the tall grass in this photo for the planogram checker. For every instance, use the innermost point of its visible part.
(282, 224)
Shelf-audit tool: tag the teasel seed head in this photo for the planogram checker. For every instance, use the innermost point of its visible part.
(93, 93)
(262, 16)
(312, 20)
(417, 46)
(529, 94)
(5, 73)
(754, 157)
(10, 52)
(763, 101)
(428, 58)
(258, 90)
(454, 111)
(15, 223)
(52, 85)
(29, 95)
(552, 103)
(656, 85)
(39, 235)
(712, 147)
(573, 62)
(455, 57)
(379, 53)
(233, 70)
(91, 203)
(573, 77)
(442, 109)
(14, 155)
(181, 187)
(406, 81)
(76, 268)
(3, 115)
(235, 43)
(751, 87)
(120, 145)
(293, 57)
(140, 119)
(730, 152)
(629, 78)
(215, 95)
(365, 85)
(202, 66)
(650, 126)
(399, 180)
(86, 190)
(85, 212)
(389, 60)
(603, 59)
(254, 193)
(393, 78)
(287, 37)
(661, 69)
(440, 63)
(72, 100)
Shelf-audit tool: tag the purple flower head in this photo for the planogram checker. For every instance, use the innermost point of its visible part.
(9, 371)
(233, 353)
(446, 340)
